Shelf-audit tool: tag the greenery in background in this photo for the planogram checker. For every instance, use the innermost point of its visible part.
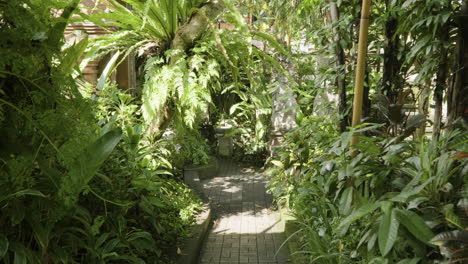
(183, 88)
(244, 100)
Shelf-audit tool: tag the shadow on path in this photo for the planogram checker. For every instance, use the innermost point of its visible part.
(245, 229)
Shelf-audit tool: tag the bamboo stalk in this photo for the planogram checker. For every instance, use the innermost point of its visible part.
(360, 67)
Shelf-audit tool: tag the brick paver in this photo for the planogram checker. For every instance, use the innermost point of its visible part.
(245, 229)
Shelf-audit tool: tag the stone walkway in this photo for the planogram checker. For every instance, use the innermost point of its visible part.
(245, 229)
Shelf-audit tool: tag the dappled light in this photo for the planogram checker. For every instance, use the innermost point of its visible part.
(233, 131)
(246, 229)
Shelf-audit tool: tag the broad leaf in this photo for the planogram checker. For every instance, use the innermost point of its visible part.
(409, 261)
(87, 165)
(415, 225)
(410, 190)
(93, 156)
(277, 163)
(20, 257)
(355, 215)
(346, 201)
(453, 244)
(107, 71)
(388, 232)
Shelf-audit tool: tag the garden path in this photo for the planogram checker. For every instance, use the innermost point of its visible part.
(245, 229)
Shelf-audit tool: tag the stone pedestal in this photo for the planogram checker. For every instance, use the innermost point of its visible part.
(225, 143)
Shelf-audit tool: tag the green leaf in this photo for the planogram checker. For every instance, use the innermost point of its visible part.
(355, 215)
(346, 201)
(451, 217)
(415, 225)
(458, 236)
(273, 42)
(87, 165)
(277, 163)
(20, 257)
(155, 201)
(28, 192)
(371, 242)
(378, 260)
(410, 190)
(41, 233)
(388, 232)
(72, 56)
(111, 245)
(95, 154)
(140, 235)
(100, 241)
(409, 261)
(4, 244)
(316, 243)
(107, 71)
(233, 108)
(23, 193)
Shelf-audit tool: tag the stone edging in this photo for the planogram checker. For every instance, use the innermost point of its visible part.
(290, 227)
(191, 248)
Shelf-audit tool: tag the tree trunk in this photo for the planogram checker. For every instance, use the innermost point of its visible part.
(457, 95)
(441, 80)
(340, 66)
(192, 31)
(360, 67)
(391, 83)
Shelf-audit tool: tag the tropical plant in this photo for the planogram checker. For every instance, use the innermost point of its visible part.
(146, 27)
(335, 197)
(71, 190)
(175, 86)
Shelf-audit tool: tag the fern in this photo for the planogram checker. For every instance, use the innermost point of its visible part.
(185, 85)
(151, 21)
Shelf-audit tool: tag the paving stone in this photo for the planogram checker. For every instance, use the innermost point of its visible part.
(246, 230)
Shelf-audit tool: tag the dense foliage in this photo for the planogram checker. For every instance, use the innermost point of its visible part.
(401, 191)
(92, 174)
(77, 185)
(383, 205)
(182, 88)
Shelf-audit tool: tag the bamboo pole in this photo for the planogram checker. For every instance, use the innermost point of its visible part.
(360, 68)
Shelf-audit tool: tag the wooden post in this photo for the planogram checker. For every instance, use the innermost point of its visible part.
(360, 68)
